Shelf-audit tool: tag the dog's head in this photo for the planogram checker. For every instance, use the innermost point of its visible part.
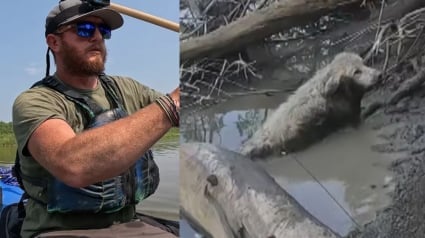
(348, 69)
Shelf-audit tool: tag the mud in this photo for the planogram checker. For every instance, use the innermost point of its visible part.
(401, 127)
(400, 146)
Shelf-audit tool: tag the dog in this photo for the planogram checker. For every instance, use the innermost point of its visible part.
(328, 101)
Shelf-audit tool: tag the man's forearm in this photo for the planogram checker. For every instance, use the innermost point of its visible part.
(107, 151)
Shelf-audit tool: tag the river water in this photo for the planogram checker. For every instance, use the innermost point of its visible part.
(164, 202)
(339, 180)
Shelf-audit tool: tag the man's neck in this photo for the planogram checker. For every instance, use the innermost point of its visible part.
(78, 81)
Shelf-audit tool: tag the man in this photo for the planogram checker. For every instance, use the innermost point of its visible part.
(84, 137)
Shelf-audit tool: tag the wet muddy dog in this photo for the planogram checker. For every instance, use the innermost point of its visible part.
(328, 101)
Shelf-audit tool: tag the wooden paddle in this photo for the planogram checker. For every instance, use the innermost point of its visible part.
(145, 17)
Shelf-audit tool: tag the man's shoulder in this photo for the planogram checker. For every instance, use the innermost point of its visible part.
(38, 97)
(135, 91)
(123, 79)
(39, 91)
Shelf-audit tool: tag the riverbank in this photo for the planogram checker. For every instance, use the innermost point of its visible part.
(401, 126)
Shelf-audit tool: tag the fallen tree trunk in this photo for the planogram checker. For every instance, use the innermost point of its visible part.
(228, 195)
(358, 35)
(392, 12)
(255, 26)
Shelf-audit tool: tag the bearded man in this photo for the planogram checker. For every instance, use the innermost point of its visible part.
(84, 137)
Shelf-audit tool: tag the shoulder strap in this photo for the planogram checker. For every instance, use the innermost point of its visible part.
(112, 89)
(85, 102)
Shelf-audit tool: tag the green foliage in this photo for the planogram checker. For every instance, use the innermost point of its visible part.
(5, 128)
(170, 141)
(171, 135)
(6, 134)
(7, 137)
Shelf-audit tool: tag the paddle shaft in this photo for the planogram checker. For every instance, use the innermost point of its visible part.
(145, 17)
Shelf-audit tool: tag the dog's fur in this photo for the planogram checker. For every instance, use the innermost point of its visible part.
(328, 101)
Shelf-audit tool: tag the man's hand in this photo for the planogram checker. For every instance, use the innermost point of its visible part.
(175, 95)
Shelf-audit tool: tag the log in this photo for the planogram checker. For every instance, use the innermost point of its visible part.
(392, 12)
(358, 35)
(257, 25)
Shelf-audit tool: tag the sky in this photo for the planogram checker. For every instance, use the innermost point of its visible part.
(141, 50)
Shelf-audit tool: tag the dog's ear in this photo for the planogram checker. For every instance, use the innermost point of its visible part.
(331, 85)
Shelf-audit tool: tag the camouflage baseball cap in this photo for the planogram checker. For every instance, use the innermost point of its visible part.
(71, 10)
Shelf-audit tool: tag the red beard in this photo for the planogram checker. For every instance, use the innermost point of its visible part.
(78, 65)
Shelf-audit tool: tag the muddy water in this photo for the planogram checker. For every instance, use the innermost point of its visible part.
(344, 163)
(355, 176)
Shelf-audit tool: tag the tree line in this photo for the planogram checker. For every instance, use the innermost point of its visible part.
(7, 137)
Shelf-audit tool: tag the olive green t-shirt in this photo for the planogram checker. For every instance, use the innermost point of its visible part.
(38, 104)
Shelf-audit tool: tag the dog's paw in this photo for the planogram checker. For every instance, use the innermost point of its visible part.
(256, 151)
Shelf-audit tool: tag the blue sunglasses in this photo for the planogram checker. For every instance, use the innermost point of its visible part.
(87, 29)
